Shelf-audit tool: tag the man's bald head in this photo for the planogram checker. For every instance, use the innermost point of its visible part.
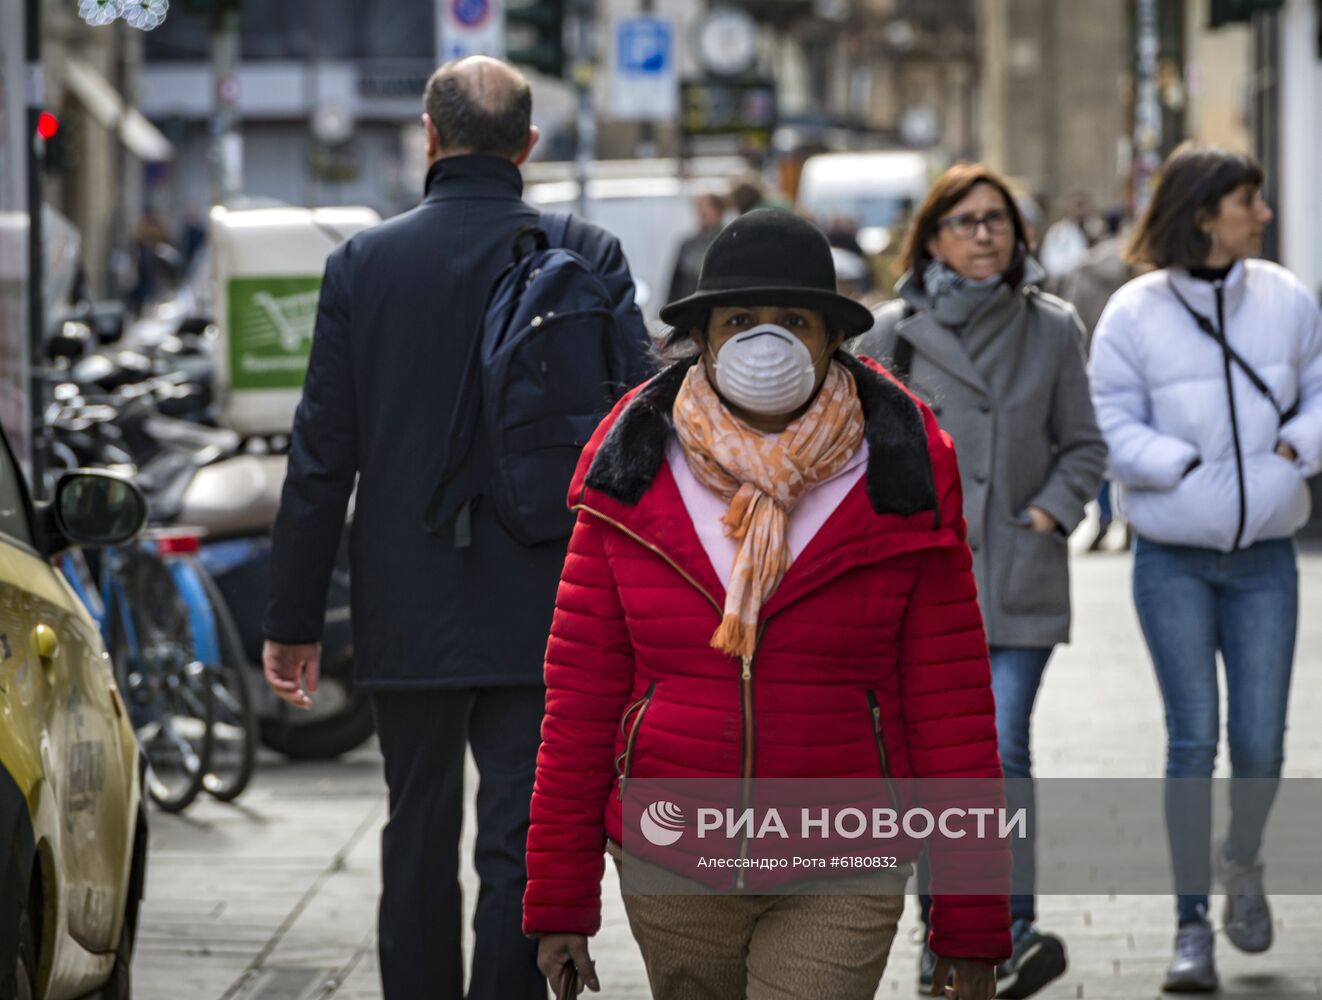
(480, 105)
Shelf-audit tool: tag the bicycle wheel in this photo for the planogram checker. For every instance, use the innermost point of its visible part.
(163, 686)
(234, 724)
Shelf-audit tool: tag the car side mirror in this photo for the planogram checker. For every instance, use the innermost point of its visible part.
(97, 508)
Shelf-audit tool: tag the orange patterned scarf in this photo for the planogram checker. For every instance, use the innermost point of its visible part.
(762, 478)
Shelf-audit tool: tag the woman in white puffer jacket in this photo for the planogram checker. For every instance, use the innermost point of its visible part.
(1206, 378)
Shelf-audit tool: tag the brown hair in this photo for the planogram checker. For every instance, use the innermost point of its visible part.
(1193, 181)
(949, 190)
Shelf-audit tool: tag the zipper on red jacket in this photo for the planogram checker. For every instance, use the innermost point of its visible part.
(883, 758)
(654, 548)
(640, 706)
(748, 744)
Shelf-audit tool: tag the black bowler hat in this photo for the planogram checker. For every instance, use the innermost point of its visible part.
(769, 257)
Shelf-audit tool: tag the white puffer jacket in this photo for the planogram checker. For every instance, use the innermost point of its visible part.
(1160, 391)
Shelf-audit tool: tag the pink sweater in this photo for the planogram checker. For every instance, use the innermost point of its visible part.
(706, 509)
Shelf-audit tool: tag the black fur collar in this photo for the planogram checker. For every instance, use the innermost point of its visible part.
(899, 474)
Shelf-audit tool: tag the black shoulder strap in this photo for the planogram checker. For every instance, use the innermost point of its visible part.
(1205, 324)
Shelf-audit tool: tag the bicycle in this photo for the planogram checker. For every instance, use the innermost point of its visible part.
(146, 631)
(160, 589)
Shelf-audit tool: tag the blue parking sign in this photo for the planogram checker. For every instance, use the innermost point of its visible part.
(644, 78)
(644, 46)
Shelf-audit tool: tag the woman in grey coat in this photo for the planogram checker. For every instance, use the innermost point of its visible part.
(1001, 365)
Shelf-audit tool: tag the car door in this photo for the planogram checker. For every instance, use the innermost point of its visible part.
(68, 689)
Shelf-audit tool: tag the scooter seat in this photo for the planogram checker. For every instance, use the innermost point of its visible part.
(236, 496)
(185, 434)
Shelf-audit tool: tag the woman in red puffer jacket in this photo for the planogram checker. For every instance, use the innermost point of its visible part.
(768, 579)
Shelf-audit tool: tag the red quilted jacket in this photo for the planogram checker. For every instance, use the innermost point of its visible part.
(872, 642)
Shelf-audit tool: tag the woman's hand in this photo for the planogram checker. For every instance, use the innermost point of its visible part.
(1041, 520)
(554, 950)
(974, 980)
(1286, 452)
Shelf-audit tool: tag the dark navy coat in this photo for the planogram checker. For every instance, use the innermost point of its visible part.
(400, 304)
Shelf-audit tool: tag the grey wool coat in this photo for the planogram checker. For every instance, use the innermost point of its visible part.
(1010, 388)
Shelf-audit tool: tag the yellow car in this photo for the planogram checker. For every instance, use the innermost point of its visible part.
(73, 837)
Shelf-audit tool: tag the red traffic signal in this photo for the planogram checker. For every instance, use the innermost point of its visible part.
(48, 126)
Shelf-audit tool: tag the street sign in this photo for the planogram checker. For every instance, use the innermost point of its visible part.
(644, 80)
(470, 28)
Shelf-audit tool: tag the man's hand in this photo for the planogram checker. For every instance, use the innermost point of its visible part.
(292, 672)
(1042, 521)
(974, 980)
(554, 950)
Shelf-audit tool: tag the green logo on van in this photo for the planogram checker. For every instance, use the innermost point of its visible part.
(270, 330)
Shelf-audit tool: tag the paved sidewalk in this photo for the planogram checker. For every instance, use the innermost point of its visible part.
(276, 898)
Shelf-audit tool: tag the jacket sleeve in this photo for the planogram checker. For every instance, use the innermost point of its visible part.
(1304, 432)
(1080, 448)
(589, 674)
(323, 465)
(1140, 456)
(950, 727)
(609, 261)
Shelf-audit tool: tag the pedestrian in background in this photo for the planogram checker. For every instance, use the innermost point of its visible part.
(710, 210)
(1067, 241)
(1088, 288)
(1207, 377)
(1001, 364)
(754, 589)
(448, 632)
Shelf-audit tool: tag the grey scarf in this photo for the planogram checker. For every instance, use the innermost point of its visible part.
(953, 297)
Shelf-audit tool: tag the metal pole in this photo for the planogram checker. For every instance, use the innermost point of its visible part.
(1267, 114)
(36, 155)
(226, 149)
(580, 33)
(1147, 105)
(646, 130)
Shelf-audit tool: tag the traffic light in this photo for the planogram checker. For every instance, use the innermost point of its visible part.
(61, 141)
(535, 34)
(1232, 11)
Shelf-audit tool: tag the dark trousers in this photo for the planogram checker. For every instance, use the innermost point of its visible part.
(423, 735)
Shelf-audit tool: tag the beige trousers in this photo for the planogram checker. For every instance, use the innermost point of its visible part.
(786, 947)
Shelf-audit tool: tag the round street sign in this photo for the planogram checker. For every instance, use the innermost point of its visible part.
(471, 13)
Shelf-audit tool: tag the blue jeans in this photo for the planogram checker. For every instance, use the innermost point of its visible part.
(1192, 603)
(1104, 503)
(1016, 677)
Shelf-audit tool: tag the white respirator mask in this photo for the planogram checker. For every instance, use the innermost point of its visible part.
(766, 370)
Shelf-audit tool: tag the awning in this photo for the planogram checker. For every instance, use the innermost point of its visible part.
(143, 139)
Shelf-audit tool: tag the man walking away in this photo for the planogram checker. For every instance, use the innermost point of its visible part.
(449, 628)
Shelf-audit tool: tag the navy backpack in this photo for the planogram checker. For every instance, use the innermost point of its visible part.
(544, 369)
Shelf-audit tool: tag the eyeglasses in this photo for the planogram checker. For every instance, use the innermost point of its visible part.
(965, 226)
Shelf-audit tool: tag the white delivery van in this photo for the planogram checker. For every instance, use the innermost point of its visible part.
(876, 191)
(266, 271)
